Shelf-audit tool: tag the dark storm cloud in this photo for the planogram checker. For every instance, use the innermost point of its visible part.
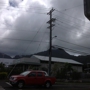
(24, 28)
(13, 4)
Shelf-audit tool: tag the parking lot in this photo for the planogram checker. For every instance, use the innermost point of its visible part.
(6, 86)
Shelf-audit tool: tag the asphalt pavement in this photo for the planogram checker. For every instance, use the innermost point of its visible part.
(67, 86)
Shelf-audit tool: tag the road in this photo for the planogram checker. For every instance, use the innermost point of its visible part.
(6, 86)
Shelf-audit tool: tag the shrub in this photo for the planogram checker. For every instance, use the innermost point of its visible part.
(76, 75)
(61, 75)
(3, 75)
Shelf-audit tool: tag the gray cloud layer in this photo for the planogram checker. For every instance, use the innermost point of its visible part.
(23, 27)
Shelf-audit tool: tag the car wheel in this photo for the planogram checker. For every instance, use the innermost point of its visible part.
(20, 84)
(48, 84)
(13, 85)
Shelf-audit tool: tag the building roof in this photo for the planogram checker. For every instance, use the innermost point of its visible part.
(54, 59)
(35, 60)
(26, 61)
(6, 61)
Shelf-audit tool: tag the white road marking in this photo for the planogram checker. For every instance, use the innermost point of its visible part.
(1, 88)
(8, 83)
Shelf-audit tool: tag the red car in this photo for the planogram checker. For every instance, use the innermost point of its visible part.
(32, 78)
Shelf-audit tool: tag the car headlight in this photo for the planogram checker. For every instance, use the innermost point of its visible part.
(14, 78)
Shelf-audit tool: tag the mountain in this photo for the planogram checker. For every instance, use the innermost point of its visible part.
(61, 53)
(2, 55)
(83, 59)
(22, 56)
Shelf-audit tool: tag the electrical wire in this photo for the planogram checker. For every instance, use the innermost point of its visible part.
(76, 26)
(73, 43)
(40, 42)
(68, 15)
(23, 40)
(72, 26)
(30, 7)
(26, 10)
(19, 30)
(43, 13)
(73, 31)
(33, 38)
(60, 18)
(71, 23)
(75, 51)
(13, 48)
(69, 8)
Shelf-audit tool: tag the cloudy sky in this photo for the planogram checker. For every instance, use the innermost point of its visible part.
(23, 27)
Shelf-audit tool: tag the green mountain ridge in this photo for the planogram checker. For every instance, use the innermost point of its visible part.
(59, 53)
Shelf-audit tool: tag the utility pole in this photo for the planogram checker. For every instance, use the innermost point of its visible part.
(50, 47)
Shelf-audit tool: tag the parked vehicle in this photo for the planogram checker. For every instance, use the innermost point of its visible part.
(32, 78)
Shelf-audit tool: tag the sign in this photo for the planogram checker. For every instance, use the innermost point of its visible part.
(87, 8)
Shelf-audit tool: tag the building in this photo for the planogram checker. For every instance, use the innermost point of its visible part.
(42, 61)
(6, 61)
(25, 63)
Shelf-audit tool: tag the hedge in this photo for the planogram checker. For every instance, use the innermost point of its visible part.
(3, 75)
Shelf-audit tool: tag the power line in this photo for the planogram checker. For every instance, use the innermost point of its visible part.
(7, 47)
(69, 27)
(34, 37)
(75, 51)
(69, 8)
(28, 40)
(26, 10)
(77, 24)
(73, 43)
(62, 29)
(48, 42)
(41, 42)
(30, 7)
(23, 40)
(73, 25)
(73, 31)
(23, 6)
(68, 15)
(20, 30)
(43, 13)
(71, 22)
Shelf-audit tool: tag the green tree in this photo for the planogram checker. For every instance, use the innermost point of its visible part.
(62, 71)
(56, 69)
(66, 71)
(2, 67)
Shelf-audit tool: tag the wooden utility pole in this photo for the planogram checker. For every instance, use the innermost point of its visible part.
(50, 48)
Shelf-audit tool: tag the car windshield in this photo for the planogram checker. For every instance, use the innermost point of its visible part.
(25, 73)
(45, 73)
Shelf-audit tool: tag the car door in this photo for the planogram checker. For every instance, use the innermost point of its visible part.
(31, 78)
(40, 78)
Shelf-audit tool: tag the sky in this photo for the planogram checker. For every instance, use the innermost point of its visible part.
(23, 26)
